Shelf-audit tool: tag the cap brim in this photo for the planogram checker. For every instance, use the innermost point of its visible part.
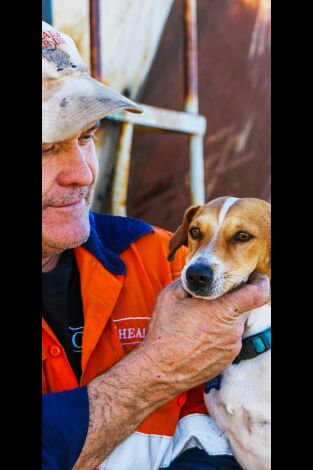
(76, 103)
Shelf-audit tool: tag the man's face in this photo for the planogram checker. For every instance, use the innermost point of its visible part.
(69, 173)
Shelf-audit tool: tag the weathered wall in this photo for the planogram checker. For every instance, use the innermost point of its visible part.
(234, 95)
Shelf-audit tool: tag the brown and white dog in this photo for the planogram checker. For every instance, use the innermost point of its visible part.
(228, 239)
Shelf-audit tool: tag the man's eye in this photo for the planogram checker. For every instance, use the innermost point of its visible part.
(195, 232)
(47, 150)
(242, 237)
(87, 138)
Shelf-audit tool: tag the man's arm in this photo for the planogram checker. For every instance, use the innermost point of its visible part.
(119, 401)
(181, 329)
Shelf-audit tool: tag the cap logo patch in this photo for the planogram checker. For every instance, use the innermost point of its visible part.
(50, 41)
(49, 37)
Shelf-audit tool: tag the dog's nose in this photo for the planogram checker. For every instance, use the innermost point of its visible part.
(199, 275)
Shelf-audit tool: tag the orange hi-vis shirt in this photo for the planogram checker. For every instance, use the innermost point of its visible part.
(123, 266)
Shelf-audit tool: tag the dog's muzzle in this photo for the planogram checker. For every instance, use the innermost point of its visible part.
(199, 278)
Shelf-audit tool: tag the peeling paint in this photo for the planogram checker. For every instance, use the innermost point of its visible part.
(232, 153)
(260, 38)
(243, 136)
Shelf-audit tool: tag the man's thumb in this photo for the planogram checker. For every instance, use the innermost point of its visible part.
(254, 294)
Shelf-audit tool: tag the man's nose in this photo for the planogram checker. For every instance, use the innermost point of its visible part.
(199, 275)
(75, 169)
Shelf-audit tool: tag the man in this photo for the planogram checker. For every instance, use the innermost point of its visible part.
(114, 391)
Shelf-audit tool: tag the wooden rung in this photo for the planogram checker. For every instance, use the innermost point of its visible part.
(166, 119)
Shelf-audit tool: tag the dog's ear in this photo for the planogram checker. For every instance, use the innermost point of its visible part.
(180, 237)
(264, 264)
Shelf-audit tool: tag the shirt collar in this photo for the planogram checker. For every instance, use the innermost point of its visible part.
(111, 235)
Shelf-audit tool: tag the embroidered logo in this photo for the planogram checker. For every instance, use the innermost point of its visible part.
(51, 36)
(50, 51)
(132, 330)
(77, 335)
(61, 59)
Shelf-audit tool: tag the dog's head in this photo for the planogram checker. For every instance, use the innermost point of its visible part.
(228, 239)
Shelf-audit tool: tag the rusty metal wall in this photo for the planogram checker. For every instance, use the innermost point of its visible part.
(234, 95)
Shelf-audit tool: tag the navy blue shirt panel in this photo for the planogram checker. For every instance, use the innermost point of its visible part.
(198, 459)
(65, 418)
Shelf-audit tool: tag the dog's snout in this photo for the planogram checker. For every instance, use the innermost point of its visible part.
(199, 275)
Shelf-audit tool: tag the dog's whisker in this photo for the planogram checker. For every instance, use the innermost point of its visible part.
(230, 276)
(176, 282)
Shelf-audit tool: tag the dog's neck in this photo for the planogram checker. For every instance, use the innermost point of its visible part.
(258, 320)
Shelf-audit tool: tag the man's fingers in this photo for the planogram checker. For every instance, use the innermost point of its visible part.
(254, 294)
(256, 277)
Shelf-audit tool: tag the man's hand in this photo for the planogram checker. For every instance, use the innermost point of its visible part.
(189, 341)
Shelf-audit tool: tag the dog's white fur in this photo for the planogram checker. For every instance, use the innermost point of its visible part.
(241, 408)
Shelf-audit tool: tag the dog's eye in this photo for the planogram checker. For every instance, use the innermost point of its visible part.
(242, 237)
(195, 232)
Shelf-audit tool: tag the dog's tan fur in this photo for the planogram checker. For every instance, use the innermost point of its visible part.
(247, 214)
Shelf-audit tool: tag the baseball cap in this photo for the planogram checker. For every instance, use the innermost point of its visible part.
(71, 98)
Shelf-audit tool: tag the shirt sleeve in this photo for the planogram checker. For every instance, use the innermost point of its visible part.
(65, 418)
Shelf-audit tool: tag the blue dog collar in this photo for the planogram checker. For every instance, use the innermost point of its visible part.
(252, 346)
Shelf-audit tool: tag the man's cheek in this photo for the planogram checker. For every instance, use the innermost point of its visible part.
(49, 176)
(93, 161)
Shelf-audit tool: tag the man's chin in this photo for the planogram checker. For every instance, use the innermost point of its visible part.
(57, 246)
(58, 239)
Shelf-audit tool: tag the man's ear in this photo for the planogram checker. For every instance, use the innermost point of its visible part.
(180, 237)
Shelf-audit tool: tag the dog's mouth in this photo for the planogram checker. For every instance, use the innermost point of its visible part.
(217, 287)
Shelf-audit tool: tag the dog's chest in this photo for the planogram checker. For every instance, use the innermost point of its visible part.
(246, 386)
(241, 408)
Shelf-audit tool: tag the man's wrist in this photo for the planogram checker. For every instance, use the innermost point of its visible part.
(140, 374)
(120, 400)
